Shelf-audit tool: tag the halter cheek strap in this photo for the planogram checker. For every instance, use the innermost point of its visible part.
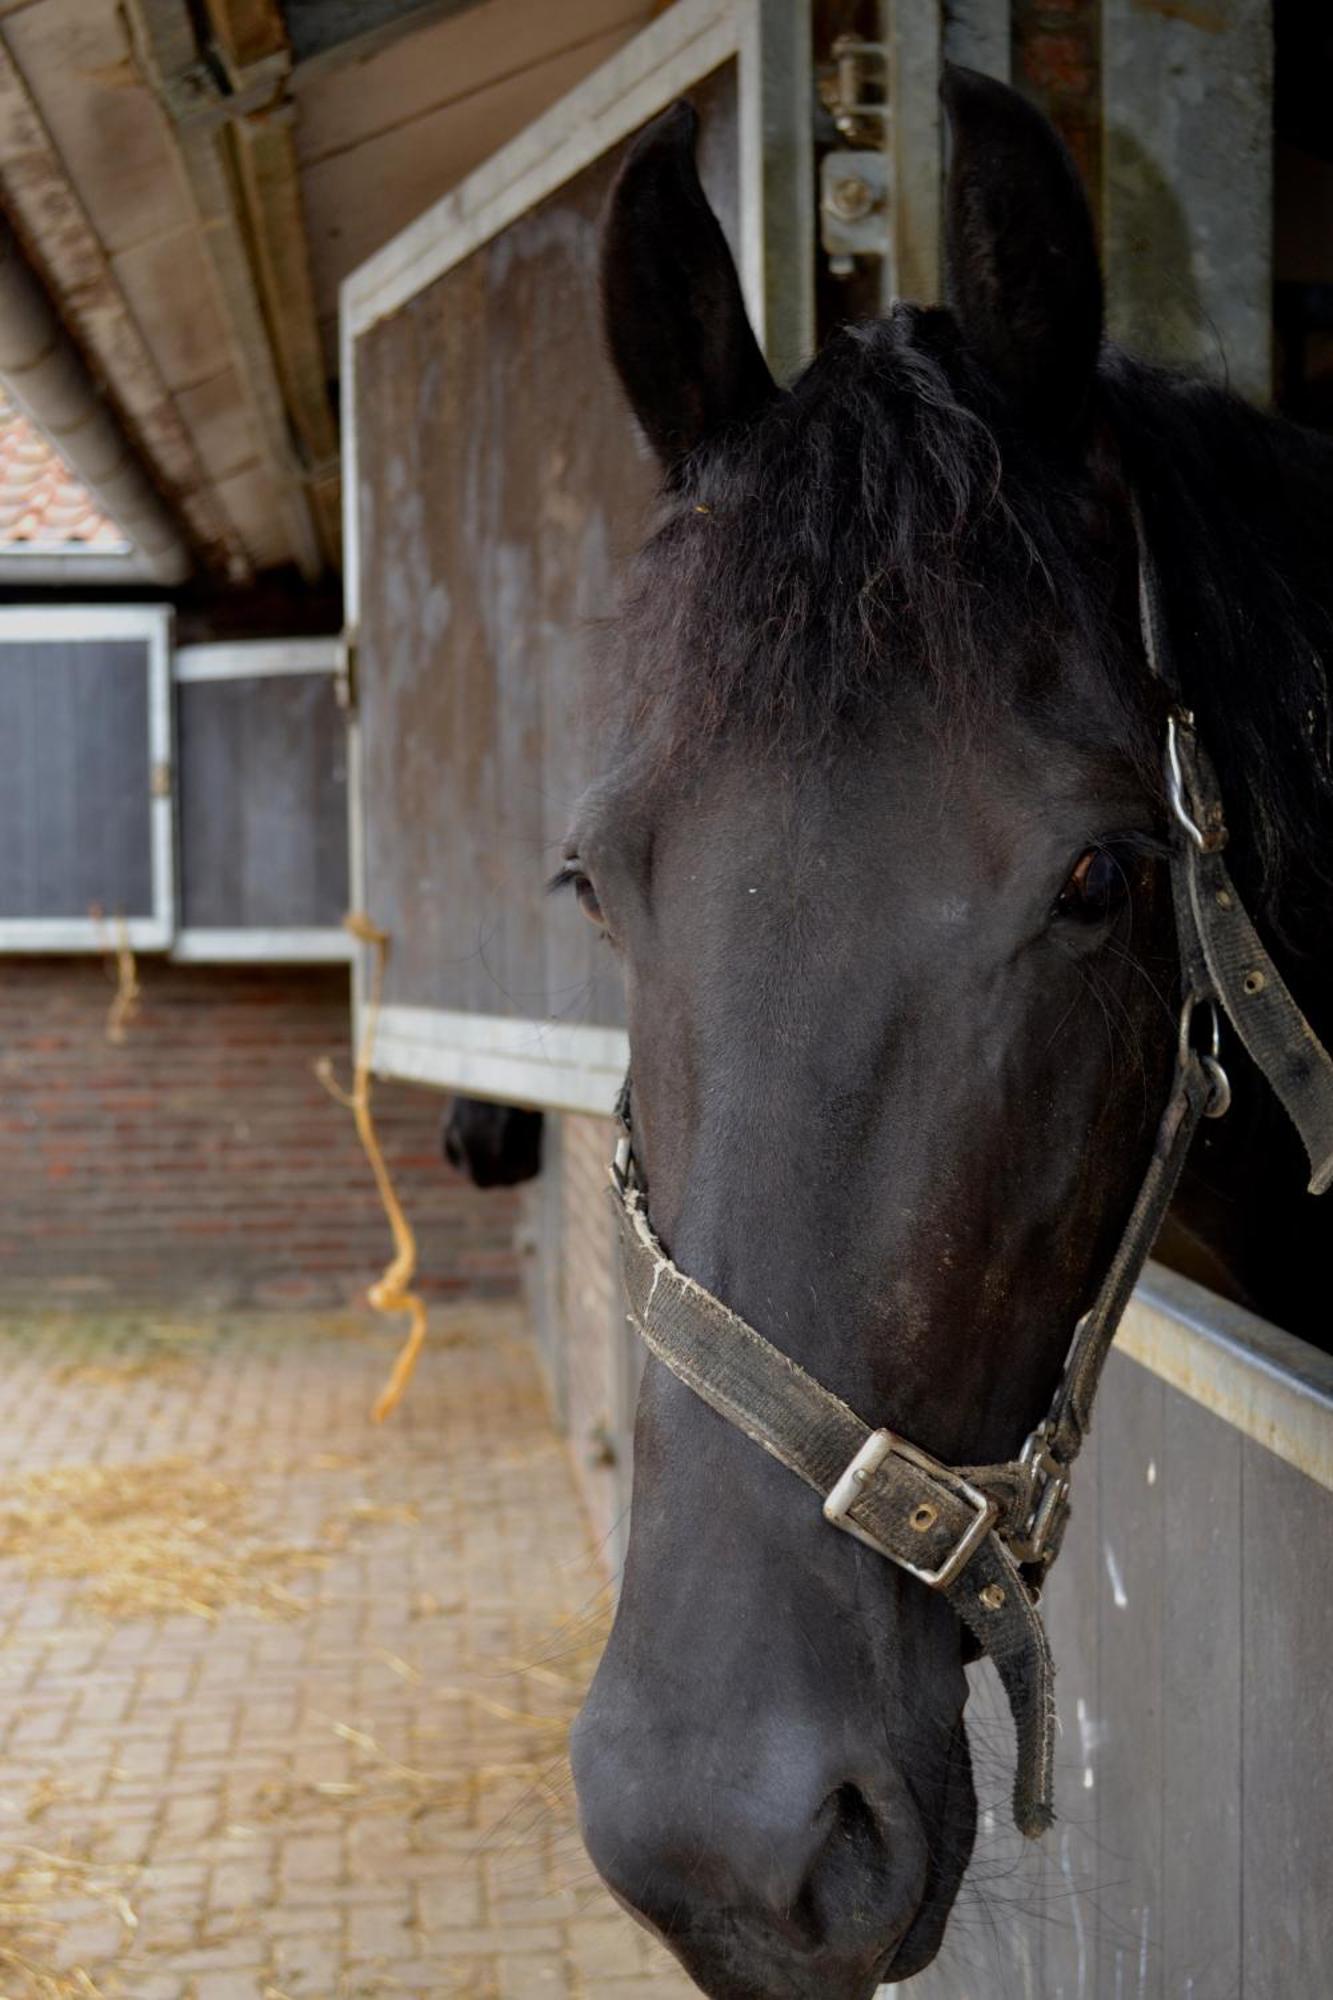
(984, 1536)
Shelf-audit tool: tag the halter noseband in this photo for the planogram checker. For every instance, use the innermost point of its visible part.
(984, 1536)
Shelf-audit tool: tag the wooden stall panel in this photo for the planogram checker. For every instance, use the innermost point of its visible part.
(1287, 1731)
(263, 804)
(75, 804)
(501, 487)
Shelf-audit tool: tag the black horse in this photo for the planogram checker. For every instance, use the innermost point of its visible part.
(880, 837)
(494, 1145)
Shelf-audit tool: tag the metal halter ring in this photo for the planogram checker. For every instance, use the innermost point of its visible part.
(1036, 1538)
(1219, 1096)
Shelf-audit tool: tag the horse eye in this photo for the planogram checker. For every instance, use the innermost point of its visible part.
(571, 876)
(587, 899)
(1098, 885)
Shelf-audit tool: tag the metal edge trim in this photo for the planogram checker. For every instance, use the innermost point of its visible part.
(1266, 1383)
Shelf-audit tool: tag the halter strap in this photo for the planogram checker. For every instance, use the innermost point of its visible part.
(967, 1532)
(1222, 956)
(984, 1536)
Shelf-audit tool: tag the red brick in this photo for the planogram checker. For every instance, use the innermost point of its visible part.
(204, 1157)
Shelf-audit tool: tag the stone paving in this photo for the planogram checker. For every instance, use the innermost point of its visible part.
(283, 1696)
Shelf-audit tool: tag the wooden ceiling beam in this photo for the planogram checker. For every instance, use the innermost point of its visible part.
(269, 180)
(248, 31)
(234, 141)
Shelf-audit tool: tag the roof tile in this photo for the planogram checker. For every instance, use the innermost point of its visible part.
(44, 508)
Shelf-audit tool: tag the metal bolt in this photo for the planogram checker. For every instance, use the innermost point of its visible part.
(1254, 982)
(992, 1597)
(1223, 899)
(851, 199)
(923, 1517)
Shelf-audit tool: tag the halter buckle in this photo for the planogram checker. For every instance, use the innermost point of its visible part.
(882, 1445)
(1043, 1525)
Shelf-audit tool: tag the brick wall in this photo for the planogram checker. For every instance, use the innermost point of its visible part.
(202, 1158)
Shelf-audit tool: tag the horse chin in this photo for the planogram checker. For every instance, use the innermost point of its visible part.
(734, 1966)
(731, 1961)
(953, 1852)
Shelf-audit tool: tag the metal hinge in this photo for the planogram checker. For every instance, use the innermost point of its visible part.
(345, 686)
(855, 180)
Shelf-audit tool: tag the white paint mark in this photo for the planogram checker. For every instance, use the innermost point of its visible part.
(1088, 1779)
(1091, 1733)
(1117, 1581)
(1144, 1926)
(1152, 1472)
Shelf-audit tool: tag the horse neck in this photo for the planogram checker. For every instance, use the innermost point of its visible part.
(1243, 1221)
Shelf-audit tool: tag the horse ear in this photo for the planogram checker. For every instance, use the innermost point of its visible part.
(675, 319)
(1022, 253)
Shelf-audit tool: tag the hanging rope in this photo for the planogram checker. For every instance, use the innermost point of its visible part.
(391, 1293)
(123, 966)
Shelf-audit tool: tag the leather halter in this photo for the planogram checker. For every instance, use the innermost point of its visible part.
(984, 1536)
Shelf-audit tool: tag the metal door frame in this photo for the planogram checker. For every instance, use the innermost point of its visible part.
(559, 1065)
(150, 623)
(291, 944)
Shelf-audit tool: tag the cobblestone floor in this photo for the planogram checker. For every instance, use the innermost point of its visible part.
(283, 1696)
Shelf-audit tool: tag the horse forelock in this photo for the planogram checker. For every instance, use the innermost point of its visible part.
(886, 519)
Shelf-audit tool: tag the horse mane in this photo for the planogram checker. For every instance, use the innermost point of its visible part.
(885, 517)
(1238, 512)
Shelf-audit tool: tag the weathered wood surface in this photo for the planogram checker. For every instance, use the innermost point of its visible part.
(501, 486)
(1187, 195)
(263, 803)
(1193, 1633)
(74, 808)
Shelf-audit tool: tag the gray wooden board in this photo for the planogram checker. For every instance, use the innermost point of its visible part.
(75, 812)
(501, 486)
(1130, 1672)
(1192, 1629)
(1203, 1611)
(1286, 1903)
(263, 803)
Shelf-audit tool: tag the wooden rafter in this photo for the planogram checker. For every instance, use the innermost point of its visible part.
(233, 133)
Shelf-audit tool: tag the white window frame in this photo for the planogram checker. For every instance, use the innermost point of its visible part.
(151, 624)
(561, 1065)
(210, 944)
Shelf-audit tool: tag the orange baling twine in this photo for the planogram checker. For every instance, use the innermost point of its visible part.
(391, 1293)
(125, 1001)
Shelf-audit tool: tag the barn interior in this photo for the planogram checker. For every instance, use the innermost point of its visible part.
(246, 412)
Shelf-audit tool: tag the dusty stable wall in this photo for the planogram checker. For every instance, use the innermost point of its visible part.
(202, 1159)
(591, 1359)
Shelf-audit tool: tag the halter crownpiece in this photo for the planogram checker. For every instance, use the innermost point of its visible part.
(984, 1536)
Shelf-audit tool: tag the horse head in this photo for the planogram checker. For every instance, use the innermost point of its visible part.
(879, 835)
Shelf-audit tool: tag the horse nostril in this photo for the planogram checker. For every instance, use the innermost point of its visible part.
(812, 1872)
(851, 1850)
